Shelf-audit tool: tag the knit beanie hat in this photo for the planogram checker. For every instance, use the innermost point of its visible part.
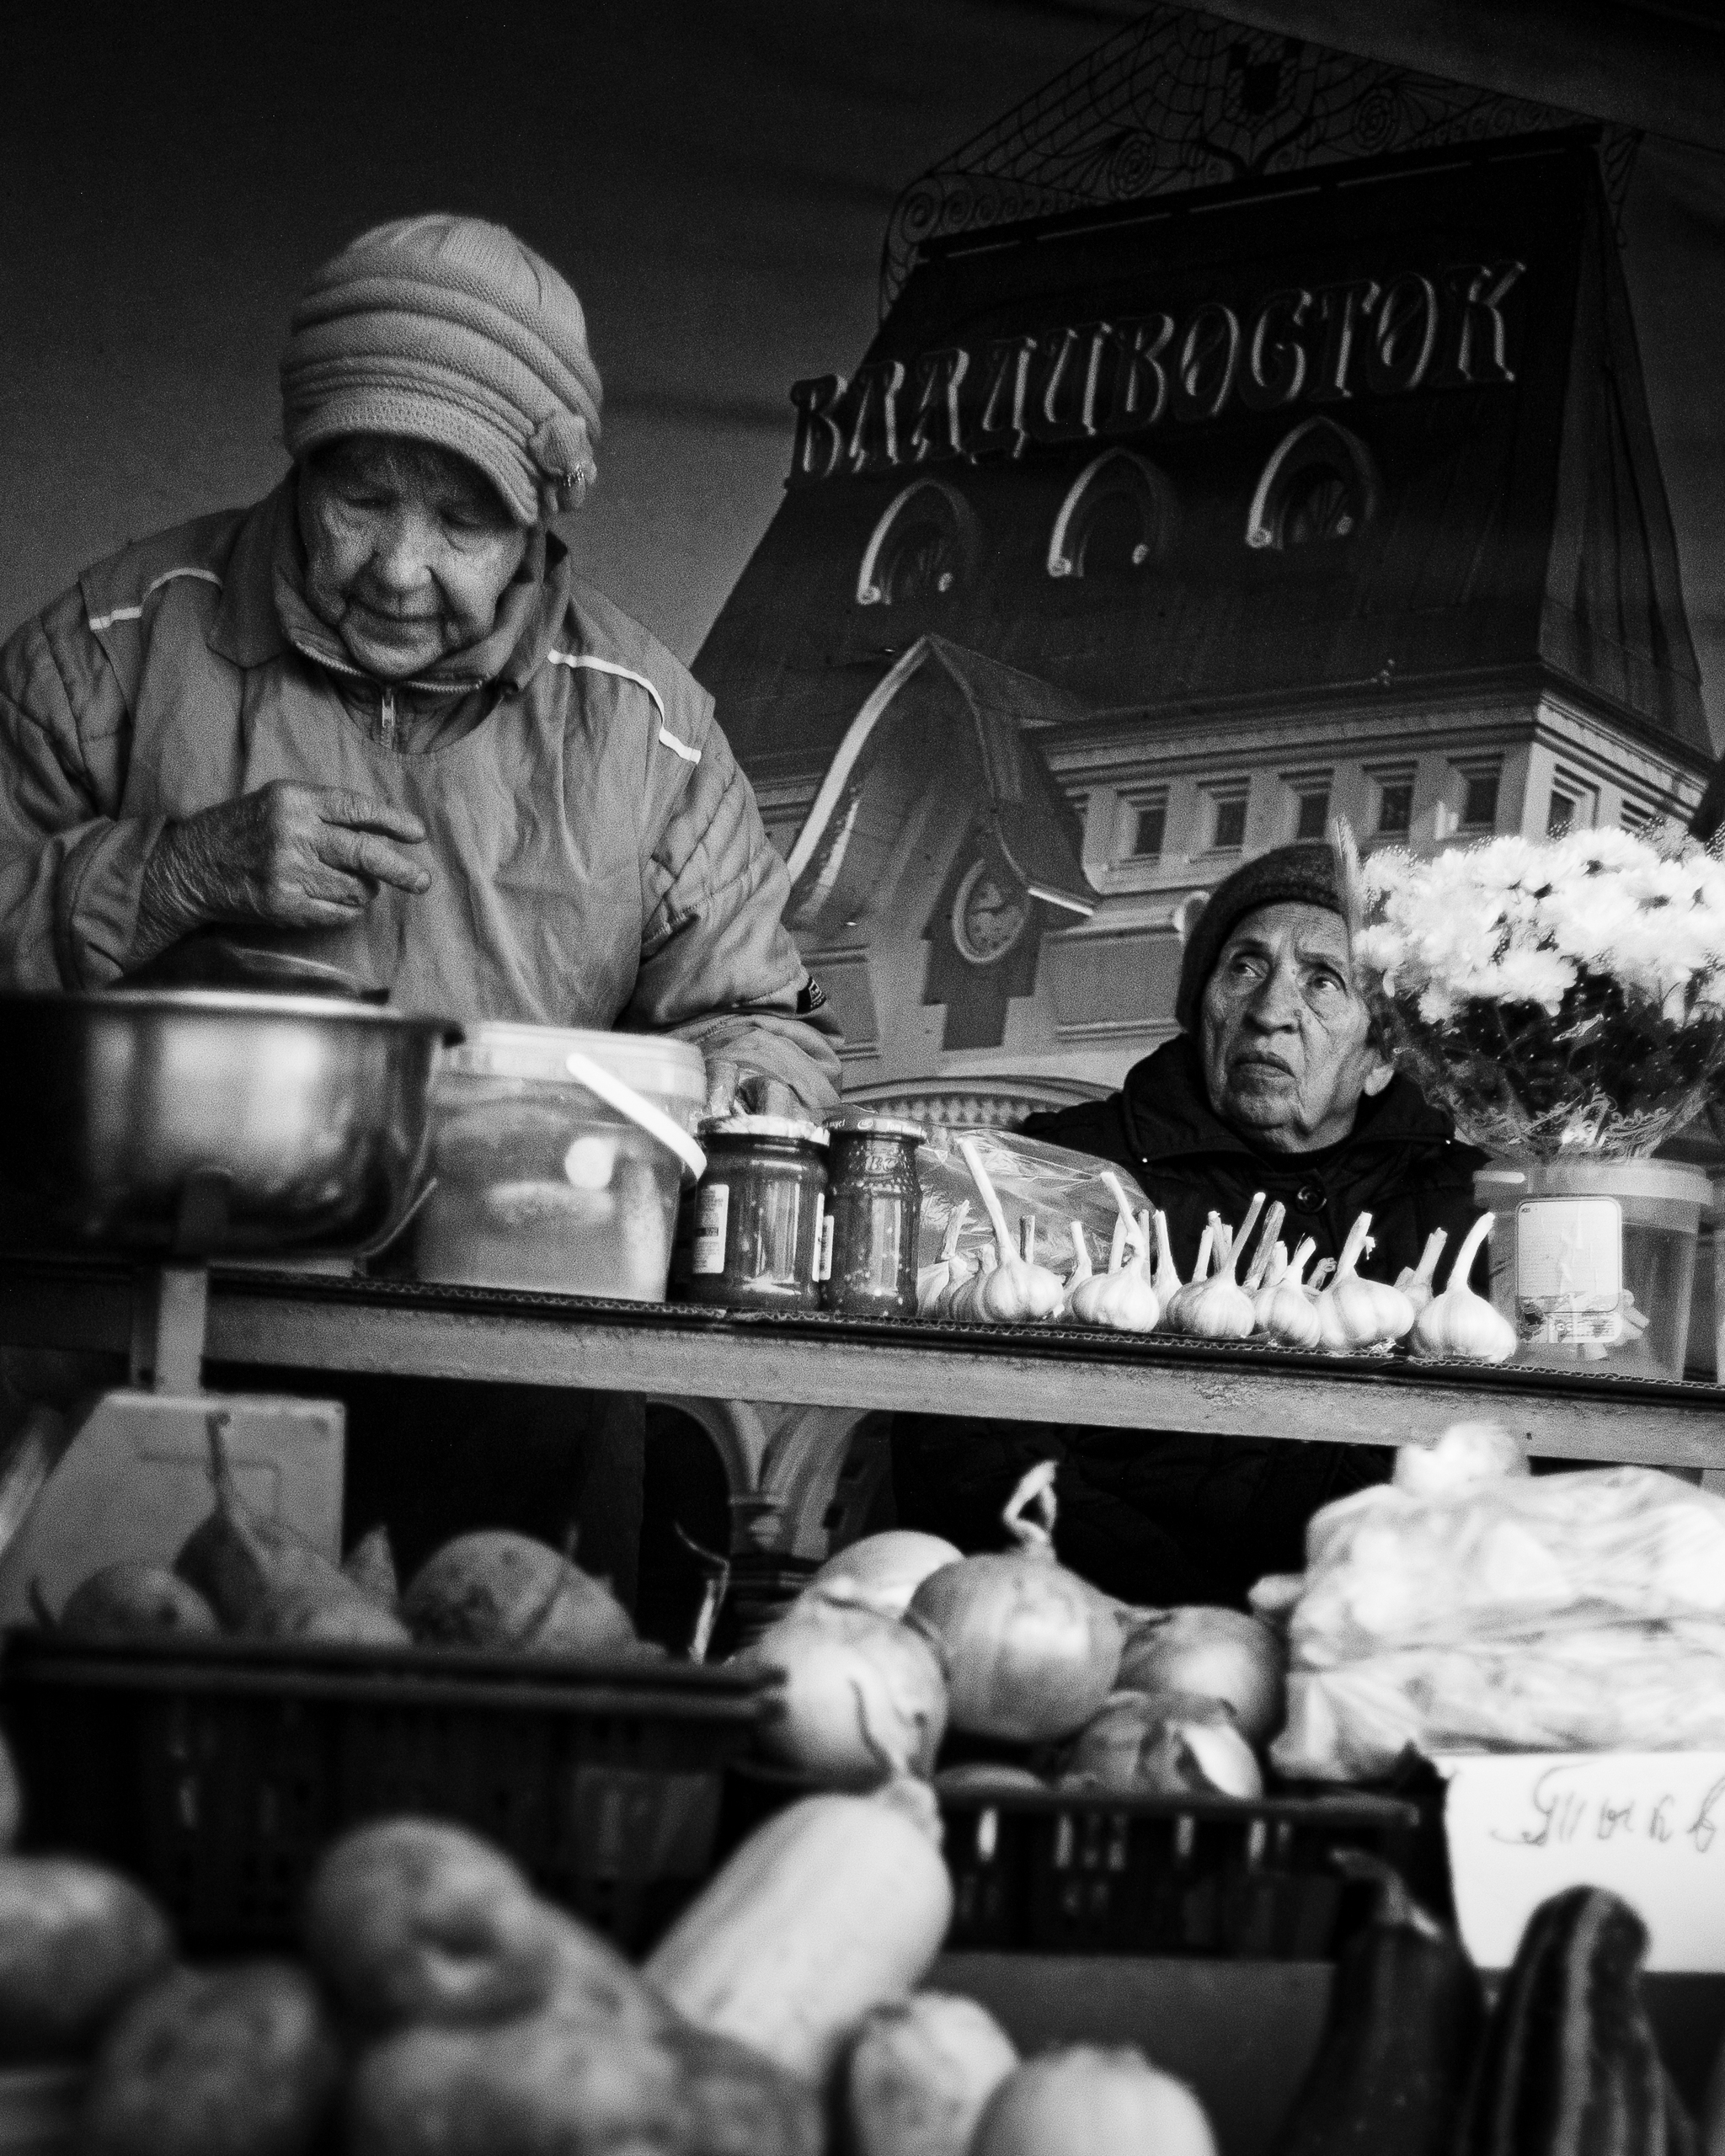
(448, 330)
(1302, 875)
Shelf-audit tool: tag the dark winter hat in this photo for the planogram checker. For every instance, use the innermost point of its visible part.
(1287, 875)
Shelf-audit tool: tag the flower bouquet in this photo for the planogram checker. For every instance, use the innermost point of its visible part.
(1561, 998)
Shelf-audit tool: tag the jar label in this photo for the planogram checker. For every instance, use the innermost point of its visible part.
(823, 1240)
(1569, 1272)
(710, 1223)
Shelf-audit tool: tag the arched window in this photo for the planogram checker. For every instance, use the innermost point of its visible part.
(1116, 519)
(1320, 484)
(923, 547)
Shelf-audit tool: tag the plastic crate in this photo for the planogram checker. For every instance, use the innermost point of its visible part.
(1061, 1873)
(216, 1772)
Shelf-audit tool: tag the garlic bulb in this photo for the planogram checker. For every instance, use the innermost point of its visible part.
(932, 1281)
(1175, 1294)
(1353, 1313)
(1128, 1302)
(1415, 1281)
(1219, 1308)
(1122, 1299)
(1459, 1322)
(1083, 1286)
(1018, 1291)
(1395, 1311)
(1284, 1312)
(958, 1303)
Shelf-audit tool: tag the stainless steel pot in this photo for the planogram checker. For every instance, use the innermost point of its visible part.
(210, 1123)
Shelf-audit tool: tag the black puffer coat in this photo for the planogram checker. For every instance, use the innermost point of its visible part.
(1169, 1517)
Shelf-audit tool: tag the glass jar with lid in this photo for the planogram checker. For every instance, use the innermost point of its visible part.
(875, 1201)
(758, 1233)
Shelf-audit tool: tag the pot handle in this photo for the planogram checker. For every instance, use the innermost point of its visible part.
(629, 1102)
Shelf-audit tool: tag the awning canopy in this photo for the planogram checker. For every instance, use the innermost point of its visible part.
(897, 747)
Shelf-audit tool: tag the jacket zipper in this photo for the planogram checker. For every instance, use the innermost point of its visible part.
(385, 712)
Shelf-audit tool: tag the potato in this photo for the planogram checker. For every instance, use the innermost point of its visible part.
(544, 2086)
(494, 1588)
(138, 1599)
(233, 2061)
(410, 1920)
(76, 1941)
(352, 1619)
(371, 1566)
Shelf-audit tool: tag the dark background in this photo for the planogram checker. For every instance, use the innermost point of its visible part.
(714, 175)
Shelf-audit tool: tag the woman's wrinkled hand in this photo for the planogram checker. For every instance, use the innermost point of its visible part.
(289, 855)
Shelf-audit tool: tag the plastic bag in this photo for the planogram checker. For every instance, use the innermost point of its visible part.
(1575, 1611)
(1598, 1688)
(1048, 1184)
(1516, 1557)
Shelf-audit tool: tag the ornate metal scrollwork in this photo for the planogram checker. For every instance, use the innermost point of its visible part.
(1184, 100)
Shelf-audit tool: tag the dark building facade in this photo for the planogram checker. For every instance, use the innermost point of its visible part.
(1151, 534)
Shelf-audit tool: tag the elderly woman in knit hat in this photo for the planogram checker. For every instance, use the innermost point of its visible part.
(1275, 1082)
(374, 720)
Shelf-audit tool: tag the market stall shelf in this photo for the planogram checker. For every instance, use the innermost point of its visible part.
(816, 1361)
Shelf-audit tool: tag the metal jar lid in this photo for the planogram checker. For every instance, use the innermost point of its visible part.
(764, 1126)
(855, 1123)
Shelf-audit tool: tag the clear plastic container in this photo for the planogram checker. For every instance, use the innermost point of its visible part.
(1585, 1250)
(540, 1185)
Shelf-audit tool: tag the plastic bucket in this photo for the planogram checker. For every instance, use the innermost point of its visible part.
(540, 1185)
(1583, 1252)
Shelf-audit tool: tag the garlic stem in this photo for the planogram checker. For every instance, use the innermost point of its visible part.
(1267, 1245)
(1081, 1256)
(1036, 1487)
(1167, 1278)
(1118, 1195)
(1420, 1276)
(1355, 1244)
(985, 1192)
(1462, 1268)
(1117, 1248)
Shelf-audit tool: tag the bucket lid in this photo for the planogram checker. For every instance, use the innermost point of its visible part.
(650, 1062)
(1672, 1181)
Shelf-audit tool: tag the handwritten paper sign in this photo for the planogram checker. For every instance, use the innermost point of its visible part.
(1649, 1825)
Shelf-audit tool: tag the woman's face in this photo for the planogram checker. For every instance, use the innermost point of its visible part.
(1286, 1041)
(408, 548)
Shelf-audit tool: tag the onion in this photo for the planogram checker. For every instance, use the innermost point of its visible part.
(1031, 1649)
(920, 2074)
(1085, 2101)
(987, 1778)
(886, 1570)
(862, 1696)
(1170, 1746)
(1216, 1654)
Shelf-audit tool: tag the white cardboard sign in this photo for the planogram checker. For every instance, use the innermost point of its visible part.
(1649, 1825)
